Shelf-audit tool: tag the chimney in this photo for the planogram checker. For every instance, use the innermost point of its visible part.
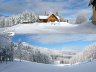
(57, 13)
(45, 13)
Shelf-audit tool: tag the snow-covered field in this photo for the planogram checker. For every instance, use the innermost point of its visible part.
(57, 27)
(25, 66)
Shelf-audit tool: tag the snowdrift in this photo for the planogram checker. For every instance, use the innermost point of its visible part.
(26, 66)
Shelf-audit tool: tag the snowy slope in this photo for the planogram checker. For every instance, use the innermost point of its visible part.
(40, 28)
(17, 66)
(57, 27)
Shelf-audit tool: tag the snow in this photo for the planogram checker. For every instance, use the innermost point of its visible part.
(43, 17)
(2, 30)
(58, 17)
(56, 62)
(26, 66)
(46, 17)
(56, 27)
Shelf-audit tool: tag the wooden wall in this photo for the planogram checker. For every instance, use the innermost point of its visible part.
(52, 18)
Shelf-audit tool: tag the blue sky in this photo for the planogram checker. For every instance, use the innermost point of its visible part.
(66, 8)
(58, 41)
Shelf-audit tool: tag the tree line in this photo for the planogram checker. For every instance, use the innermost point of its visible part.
(23, 51)
(88, 54)
(26, 16)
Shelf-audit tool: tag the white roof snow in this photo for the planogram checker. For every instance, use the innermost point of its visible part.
(46, 17)
(43, 17)
(58, 17)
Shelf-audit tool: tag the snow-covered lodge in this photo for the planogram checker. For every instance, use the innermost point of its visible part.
(49, 18)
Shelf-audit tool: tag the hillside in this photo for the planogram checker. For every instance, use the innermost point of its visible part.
(40, 54)
(25, 66)
(58, 27)
(48, 51)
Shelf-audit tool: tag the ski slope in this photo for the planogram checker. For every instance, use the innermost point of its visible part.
(25, 66)
(58, 27)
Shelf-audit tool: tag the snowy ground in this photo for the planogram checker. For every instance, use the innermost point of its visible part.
(62, 27)
(25, 66)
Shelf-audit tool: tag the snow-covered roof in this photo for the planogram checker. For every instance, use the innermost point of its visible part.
(58, 17)
(46, 17)
(43, 17)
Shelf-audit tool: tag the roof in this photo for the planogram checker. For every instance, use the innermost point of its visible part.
(43, 17)
(58, 17)
(46, 17)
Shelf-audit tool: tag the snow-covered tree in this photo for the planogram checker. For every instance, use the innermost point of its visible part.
(90, 52)
(77, 58)
(25, 17)
(2, 21)
(28, 16)
(41, 57)
(6, 49)
(27, 52)
(87, 55)
(81, 19)
(19, 50)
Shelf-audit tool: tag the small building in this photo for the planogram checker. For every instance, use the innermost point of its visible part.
(49, 18)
